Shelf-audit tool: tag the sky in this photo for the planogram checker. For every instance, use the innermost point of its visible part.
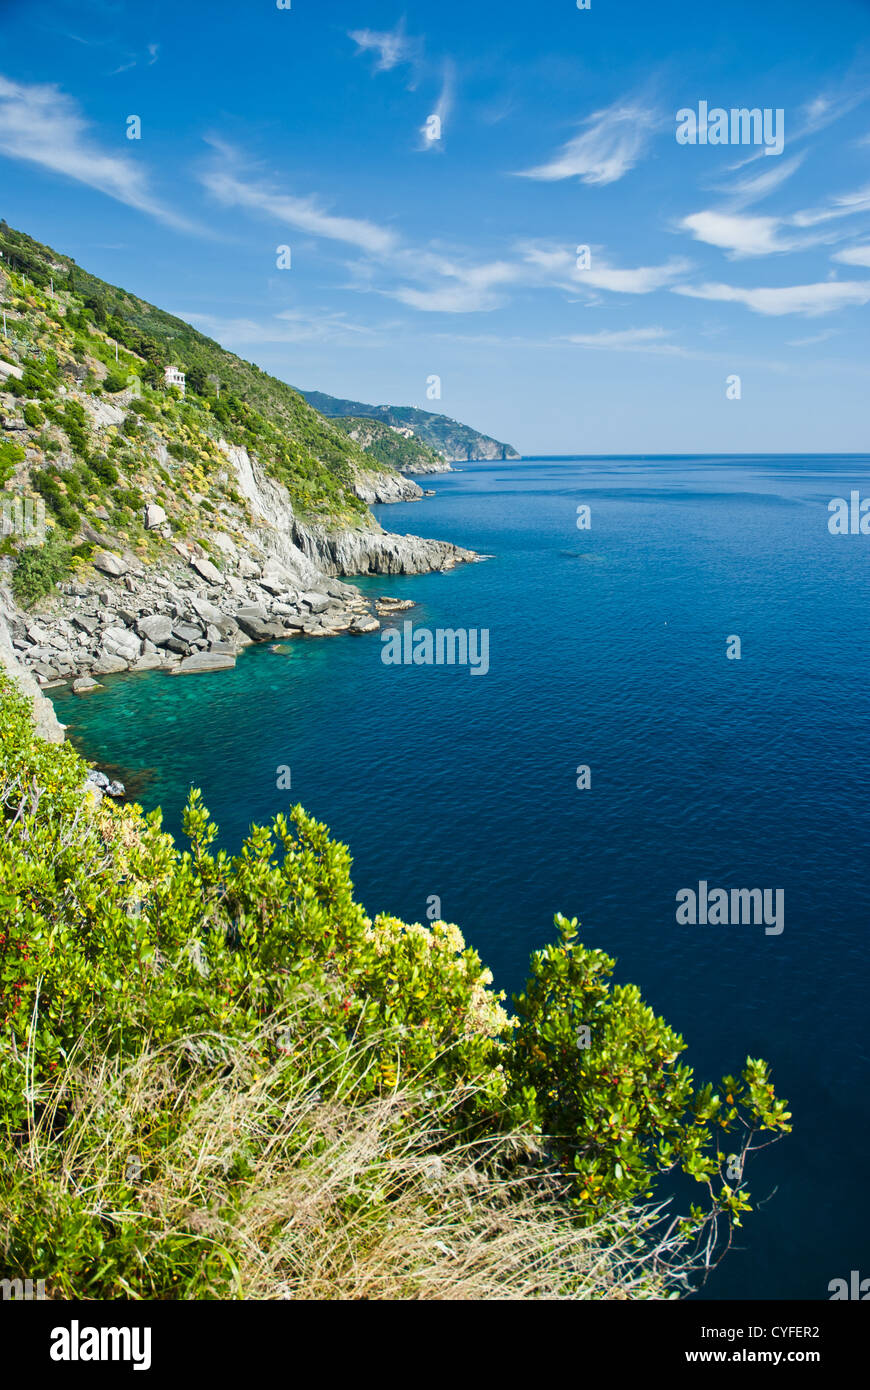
(431, 171)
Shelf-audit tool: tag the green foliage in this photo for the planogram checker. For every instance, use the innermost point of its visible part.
(33, 416)
(112, 932)
(114, 382)
(619, 1106)
(37, 569)
(47, 484)
(10, 455)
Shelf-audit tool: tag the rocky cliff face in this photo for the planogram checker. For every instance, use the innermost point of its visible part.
(277, 579)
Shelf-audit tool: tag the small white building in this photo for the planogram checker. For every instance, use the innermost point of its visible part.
(173, 377)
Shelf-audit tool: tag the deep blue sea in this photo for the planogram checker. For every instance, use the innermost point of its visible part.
(607, 648)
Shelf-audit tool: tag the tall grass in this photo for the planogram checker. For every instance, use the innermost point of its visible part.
(195, 1173)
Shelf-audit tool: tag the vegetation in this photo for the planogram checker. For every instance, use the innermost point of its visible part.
(447, 437)
(220, 1078)
(389, 448)
(88, 350)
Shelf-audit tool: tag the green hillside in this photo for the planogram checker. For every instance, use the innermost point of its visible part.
(69, 327)
(447, 437)
(393, 450)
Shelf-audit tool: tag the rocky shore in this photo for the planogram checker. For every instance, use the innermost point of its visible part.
(191, 617)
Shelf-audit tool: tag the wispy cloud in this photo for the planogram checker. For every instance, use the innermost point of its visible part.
(41, 125)
(610, 144)
(306, 214)
(288, 326)
(740, 235)
(812, 301)
(854, 255)
(558, 265)
(391, 48)
(629, 340)
(845, 205)
(753, 188)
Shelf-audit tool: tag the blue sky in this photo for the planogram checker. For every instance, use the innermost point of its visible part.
(457, 257)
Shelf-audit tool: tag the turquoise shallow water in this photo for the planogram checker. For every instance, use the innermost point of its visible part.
(607, 648)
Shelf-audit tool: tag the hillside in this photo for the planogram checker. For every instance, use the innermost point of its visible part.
(390, 445)
(155, 525)
(450, 439)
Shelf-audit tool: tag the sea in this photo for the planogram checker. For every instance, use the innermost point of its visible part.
(677, 694)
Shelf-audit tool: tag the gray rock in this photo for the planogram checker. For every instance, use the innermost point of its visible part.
(365, 623)
(109, 563)
(209, 612)
(247, 568)
(108, 665)
(84, 683)
(155, 627)
(186, 632)
(148, 661)
(205, 661)
(87, 624)
(317, 603)
(207, 570)
(154, 516)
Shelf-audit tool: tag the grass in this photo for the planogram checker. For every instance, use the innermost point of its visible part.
(225, 1181)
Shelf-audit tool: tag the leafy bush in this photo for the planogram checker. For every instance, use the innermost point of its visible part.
(37, 569)
(10, 455)
(120, 952)
(114, 382)
(33, 416)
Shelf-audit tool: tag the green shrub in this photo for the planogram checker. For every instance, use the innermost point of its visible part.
(116, 941)
(33, 416)
(37, 569)
(10, 455)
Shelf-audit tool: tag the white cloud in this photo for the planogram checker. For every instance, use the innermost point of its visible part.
(846, 205)
(559, 266)
(610, 145)
(737, 234)
(462, 289)
(757, 186)
(392, 48)
(289, 326)
(854, 255)
(628, 340)
(305, 214)
(811, 300)
(41, 125)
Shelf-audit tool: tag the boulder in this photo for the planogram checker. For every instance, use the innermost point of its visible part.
(186, 632)
(205, 661)
(108, 563)
(247, 568)
(209, 612)
(154, 516)
(207, 570)
(365, 623)
(155, 627)
(87, 624)
(148, 661)
(84, 683)
(258, 629)
(120, 641)
(107, 665)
